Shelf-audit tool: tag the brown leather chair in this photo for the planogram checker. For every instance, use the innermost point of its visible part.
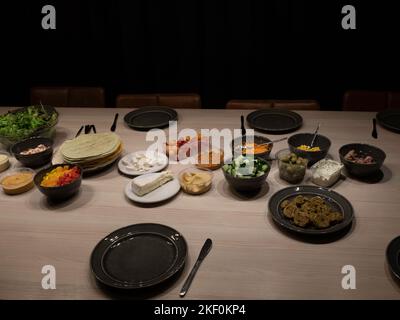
(187, 101)
(394, 100)
(190, 100)
(295, 104)
(248, 104)
(136, 100)
(68, 96)
(277, 104)
(56, 96)
(365, 100)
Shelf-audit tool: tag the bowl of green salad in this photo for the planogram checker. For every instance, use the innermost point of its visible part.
(246, 173)
(27, 122)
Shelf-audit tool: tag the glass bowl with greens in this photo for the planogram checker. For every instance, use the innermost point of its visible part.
(246, 173)
(23, 123)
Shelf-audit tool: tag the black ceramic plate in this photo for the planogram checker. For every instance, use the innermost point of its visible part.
(139, 256)
(335, 200)
(393, 256)
(274, 121)
(147, 118)
(389, 119)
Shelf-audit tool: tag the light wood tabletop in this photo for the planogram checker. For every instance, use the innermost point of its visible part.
(251, 258)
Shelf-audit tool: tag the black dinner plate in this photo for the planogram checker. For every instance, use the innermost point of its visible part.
(393, 256)
(389, 119)
(335, 200)
(146, 118)
(139, 256)
(274, 121)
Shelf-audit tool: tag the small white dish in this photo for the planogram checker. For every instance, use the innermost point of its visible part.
(126, 170)
(162, 193)
(333, 171)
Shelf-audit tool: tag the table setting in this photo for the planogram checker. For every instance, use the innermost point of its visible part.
(298, 193)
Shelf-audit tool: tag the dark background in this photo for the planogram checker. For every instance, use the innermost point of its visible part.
(221, 49)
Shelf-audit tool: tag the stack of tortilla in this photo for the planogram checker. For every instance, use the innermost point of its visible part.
(92, 151)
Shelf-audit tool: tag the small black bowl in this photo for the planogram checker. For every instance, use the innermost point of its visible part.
(237, 143)
(299, 139)
(58, 193)
(33, 160)
(358, 169)
(247, 184)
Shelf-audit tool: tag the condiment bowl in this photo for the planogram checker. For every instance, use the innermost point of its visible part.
(58, 193)
(358, 169)
(247, 184)
(37, 159)
(201, 188)
(292, 173)
(300, 139)
(237, 145)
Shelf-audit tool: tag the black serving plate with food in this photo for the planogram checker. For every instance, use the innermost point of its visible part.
(58, 193)
(37, 159)
(389, 119)
(146, 118)
(139, 256)
(362, 170)
(274, 121)
(300, 139)
(334, 200)
(393, 257)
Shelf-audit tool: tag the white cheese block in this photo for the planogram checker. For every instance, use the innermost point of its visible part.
(149, 182)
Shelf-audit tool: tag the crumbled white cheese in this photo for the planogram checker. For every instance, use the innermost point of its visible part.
(326, 172)
(143, 161)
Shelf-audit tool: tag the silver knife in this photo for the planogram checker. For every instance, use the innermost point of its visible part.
(203, 253)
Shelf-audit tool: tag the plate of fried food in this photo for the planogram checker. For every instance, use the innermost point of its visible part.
(310, 210)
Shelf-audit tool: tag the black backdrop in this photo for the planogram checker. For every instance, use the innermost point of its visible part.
(222, 49)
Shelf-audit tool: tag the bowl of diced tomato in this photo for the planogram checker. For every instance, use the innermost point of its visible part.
(59, 182)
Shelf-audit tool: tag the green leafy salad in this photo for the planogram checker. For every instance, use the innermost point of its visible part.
(246, 167)
(25, 122)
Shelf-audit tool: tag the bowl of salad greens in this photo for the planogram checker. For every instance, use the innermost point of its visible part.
(246, 173)
(23, 123)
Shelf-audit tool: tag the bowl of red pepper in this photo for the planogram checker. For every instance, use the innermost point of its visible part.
(59, 182)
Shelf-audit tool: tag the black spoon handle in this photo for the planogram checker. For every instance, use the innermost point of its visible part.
(87, 128)
(242, 125)
(374, 130)
(114, 125)
(93, 127)
(79, 131)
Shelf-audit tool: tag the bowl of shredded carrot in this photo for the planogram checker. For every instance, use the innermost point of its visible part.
(252, 146)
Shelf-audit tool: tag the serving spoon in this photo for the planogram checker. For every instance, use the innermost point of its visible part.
(267, 143)
(315, 135)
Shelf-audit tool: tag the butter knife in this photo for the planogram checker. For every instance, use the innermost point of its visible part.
(203, 253)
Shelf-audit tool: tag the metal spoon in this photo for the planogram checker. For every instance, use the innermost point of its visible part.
(267, 143)
(315, 135)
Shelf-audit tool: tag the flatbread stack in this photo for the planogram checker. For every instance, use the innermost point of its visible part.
(92, 151)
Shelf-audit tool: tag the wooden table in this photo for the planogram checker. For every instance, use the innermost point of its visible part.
(251, 258)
